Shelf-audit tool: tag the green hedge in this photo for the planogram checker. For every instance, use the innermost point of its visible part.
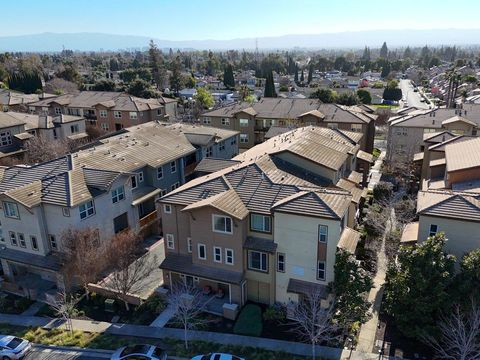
(249, 321)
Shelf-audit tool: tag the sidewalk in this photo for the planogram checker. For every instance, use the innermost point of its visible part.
(164, 317)
(159, 333)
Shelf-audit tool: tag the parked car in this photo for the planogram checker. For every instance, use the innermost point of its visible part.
(137, 352)
(217, 356)
(13, 348)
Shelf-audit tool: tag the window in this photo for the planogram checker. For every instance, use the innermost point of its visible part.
(53, 242)
(260, 223)
(117, 114)
(433, 230)
(206, 120)
(189, 244)
(356, 128)
(173, 167)
(159, 112)
(86, 210)
(229, 256)
(163, 192)
(167, 208)
(225, 121)
(322, 233)
(66, 212)
(332, 125)
(321, 270)
(257, 261)
(170, 241)
(5, 138)
(33, 240)
(233, 141)
(74, 128)
(243, 122)
(104, 126)
(140, 176)
(221, 145)
(202, 252)
(58, 111)
(21, 240)
(243, 138)
(103, 113)
(118, 194)
(11, 210)
(280, 262)
(13, 238)
(209, 152)
(217, 254)
(222, 224)
(174, 186)
(133, 115)
(160, 173)
(134, 181)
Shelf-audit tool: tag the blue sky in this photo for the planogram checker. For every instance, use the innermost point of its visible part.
(223, 19)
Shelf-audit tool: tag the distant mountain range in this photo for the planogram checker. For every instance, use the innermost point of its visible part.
(55, 42)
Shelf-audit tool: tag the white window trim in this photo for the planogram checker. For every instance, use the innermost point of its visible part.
(36, 248)
(140, 176)
(167, 208)
(215, 254)
(250, 267)
(170, 239)
(161, 170)
(86, 210)
(189, 245)
(430, 232)
(119, 113)
(175, 186)
(205, 251)
(53, 240)
(219, 231)
(103, 113)
(21, 236)
(278, 262)
(13, 238)
(173, 167)
(136, 181)
(6, 205)
(326, 235)
(261, 230)
(116, 194)
(226, 257)
(324, 270)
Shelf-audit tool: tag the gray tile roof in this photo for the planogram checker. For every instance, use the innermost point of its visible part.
(183, 264)
(210, 165)
(49, 262)
(449, 204)
(256, 243)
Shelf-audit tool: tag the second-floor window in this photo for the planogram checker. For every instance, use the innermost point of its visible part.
(33, 240)
(74, 128)
(140, 176)
(53, 242)
(221, 146)
(206, 120)
(103, 113)
(258, 261)
(134, 181)
(332, 125)
(189, 244)
(356, 127)
(202, 252)
(321, 270)
(243, 138)
(21, 240)
(217, 254)
(173, 167)
(229, 256)
(5, 138)
(261, 223)
(117, 114)
(280, 262)
(118, 194)
(13, 238)
(11, 210)
(174, 186)
(433, 230)
(104, 126)
(222, 224)
(87, 209)
(167, 208)
(233, 141)
(58, 111)
(243, 122)
(225, 121)
(322, 233)
(133, 115)
(170, 241)
(209, 152)
(160, 173)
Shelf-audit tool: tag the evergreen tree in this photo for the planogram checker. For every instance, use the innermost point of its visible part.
(296, 74)
(366, 54)
(407, 54)
(176, 78)
(228, 78)
(270, 86)
(384, 51)
(157, 65)
(302, 78)
(310, 74)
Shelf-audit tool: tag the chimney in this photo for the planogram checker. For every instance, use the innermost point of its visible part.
(43, 120)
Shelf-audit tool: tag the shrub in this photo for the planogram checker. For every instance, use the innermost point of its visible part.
(274, 313)
(249, 321)
(376, 152)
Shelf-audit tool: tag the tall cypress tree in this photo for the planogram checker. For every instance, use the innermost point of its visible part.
(302, 77)
(310, 74)
(270, 86)
(228, 78)
(296, 74)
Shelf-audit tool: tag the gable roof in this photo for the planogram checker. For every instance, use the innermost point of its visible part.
(457, 118)
(449, 204)
(228, 202)
(463, 155)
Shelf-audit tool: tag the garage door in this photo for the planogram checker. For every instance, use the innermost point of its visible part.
(258, 291)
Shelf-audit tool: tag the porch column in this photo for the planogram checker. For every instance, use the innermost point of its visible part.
(7, 270)
(230, 293)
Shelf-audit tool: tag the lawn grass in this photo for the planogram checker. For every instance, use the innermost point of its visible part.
(250, 321)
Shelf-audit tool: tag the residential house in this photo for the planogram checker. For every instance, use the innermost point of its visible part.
(17, 101)
(110, 111)
(265, 227)
(253, 120)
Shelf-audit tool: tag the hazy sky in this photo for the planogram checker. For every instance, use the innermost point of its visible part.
(223, 19)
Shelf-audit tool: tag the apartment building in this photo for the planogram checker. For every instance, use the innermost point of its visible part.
(253, 120)
(450, 199)
(110, 111)
(407, 132)
(17, 101)
(110, 186)
(17, 128)
(266, 227)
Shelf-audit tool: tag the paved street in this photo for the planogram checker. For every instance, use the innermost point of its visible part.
(412, 98)
(55, 353)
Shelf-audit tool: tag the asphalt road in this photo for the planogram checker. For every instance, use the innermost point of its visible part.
(412, 98)
(46, 353)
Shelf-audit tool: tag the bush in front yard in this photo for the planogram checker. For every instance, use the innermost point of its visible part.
(249, 321)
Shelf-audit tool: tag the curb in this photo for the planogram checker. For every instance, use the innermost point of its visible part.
(73, 348)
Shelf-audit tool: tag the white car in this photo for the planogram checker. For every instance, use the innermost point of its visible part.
(13, 348)
(139, 352)
(217, 356)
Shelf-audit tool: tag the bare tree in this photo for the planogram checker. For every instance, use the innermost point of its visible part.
(64, 306)
(313, 322)
(459, 335)
(129, 264)
(187, 302)
(85, 256)
(39, 149)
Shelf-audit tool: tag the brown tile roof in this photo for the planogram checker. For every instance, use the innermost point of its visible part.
(463, 155)
(410, 233)
(210, 165)
(349, 240)
(449, 204)
(202, 132)
(457, 118)
(228, 202)
(362, 155)
(351, 187)
(356, 177)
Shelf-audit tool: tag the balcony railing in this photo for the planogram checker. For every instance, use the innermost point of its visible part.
(148, 219)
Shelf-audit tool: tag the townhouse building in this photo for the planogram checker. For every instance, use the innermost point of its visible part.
(267, 225)
(17, 128)
(408, 131)
(253, 120)
(110, 111)
(111, 186)
(11, 100)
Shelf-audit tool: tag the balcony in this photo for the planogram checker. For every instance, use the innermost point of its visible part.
(90, 116)
(189, 169)
(148, 219)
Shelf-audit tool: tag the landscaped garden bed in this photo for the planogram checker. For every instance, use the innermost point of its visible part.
(13, 304)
